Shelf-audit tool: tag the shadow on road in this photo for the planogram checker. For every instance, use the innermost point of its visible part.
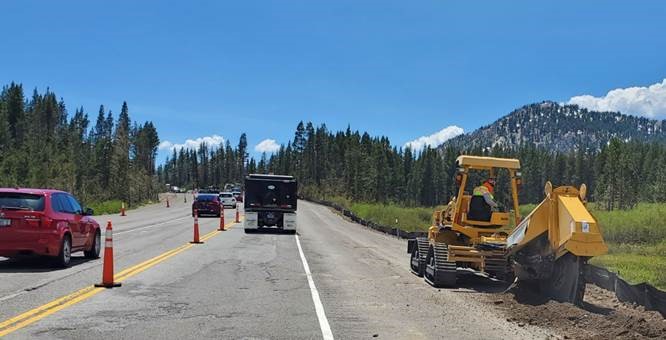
(271, 231)
(36, 264)
(480, 284)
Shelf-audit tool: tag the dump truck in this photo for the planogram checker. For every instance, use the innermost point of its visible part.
(549, 247)
(270, 202)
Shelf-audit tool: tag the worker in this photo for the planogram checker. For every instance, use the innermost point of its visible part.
(483, 201)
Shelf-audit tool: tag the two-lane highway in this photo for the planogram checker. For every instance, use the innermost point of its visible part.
(239, 285)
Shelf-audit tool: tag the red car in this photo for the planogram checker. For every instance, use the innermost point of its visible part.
(207, 204)
(46, 222)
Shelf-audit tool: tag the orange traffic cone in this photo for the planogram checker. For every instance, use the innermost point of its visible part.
(221, 217)
(122, 209)
(107, 273)
(237, 214)
(196, 229)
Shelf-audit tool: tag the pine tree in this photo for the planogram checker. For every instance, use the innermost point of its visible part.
(119, 181)
(242, 155)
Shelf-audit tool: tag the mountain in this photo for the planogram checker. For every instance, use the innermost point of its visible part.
(560, 127)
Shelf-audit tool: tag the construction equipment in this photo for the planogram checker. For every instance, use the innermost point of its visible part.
(550, 246)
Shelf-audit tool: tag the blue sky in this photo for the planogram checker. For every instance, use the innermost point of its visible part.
(404, 69)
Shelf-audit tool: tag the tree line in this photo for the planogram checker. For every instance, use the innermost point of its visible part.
(205, 166)
(365, 168)
(43, 146)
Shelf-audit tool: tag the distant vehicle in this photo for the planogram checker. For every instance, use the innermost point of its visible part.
(207, 204)
(46, 222)
(228, 199)
(232, 187)
(210, 190)
(238, 196)
(270, 201)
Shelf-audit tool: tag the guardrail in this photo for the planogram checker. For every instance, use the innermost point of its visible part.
(641, 294)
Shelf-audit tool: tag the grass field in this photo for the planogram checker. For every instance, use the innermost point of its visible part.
(637, 243)
(110, 207)
(636, 237)
(405, 218)
(636, 263)
(105, 207)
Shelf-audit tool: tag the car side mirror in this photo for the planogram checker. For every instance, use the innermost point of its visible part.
(88, 212)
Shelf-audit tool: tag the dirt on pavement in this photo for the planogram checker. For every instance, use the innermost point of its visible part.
(601, 316)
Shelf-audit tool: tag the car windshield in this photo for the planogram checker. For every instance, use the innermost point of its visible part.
(226, 194)
(21, 201)
(206, 198)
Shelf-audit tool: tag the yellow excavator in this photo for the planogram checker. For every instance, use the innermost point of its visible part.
(550, 246)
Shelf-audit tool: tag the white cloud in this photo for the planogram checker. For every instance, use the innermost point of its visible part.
(267, 145)
(641, 101)
(214, 140)
(436, 138)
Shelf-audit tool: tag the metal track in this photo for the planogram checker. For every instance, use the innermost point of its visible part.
(499, 267)
(439, 271)
(418, 260)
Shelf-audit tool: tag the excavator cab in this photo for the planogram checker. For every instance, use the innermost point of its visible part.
(470, 210)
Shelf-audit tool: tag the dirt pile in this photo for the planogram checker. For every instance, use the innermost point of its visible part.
(602, 316)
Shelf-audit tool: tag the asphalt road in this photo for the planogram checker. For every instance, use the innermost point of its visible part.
(253, 286)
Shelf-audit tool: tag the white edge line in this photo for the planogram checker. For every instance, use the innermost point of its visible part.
(319, 308)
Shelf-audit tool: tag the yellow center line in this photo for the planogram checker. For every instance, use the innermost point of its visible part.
(22, 320)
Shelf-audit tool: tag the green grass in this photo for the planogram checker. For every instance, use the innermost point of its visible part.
(405, 218)
(111, 206)
(644, 224)
(105, 207)
(635, 267)
(636, 238)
